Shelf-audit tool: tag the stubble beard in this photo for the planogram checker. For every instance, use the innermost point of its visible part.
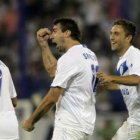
(60, 48)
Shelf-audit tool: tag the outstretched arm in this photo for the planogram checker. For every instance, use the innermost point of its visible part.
(107, 86)
(50, 62)
(46, 104)
(130, 80)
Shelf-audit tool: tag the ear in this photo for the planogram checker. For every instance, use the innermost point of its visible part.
(68, 33)
(129, 38)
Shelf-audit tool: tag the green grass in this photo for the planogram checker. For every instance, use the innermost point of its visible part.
(137, 136)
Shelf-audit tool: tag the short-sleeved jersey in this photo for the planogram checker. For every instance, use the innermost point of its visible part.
(129, 64)
(7, 89)
(76, 73)
(8, 120)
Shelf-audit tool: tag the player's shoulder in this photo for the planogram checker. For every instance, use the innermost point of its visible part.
(3, 66)
(91, 52)
(134, 52)
(75, 54)
(64, 59)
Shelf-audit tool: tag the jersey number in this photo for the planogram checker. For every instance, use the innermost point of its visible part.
(94, 79)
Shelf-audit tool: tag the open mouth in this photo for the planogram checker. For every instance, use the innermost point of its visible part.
(113, 43)
(53, 40)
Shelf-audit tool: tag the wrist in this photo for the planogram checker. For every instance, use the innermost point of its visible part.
(44, 45)
(44, 48)
(31, 121)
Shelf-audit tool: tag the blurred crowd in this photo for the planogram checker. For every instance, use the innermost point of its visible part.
(20, 20)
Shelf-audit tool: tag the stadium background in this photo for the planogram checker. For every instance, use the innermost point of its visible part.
(19, 22)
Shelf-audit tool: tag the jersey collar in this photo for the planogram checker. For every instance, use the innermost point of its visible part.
(73, 47)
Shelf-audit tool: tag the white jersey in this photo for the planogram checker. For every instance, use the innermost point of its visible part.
(76, 73)
(129, 64)
(8, 120)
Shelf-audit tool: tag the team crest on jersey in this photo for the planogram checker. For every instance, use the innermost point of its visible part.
(122, 69)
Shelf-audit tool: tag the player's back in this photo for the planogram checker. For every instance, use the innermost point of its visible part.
(87, 66)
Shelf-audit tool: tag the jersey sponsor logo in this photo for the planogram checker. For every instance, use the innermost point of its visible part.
(122, 69)
(125, 91)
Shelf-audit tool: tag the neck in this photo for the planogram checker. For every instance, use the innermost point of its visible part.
(71, 43)
(123, 51)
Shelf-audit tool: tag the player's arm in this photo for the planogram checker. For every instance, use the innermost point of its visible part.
(101, 87)
(107, 86)
(50, 62)
(130, 80)
(14, 101)
(46, 104)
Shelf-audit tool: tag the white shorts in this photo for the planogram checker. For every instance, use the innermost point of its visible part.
(127, 132)
(68, 134)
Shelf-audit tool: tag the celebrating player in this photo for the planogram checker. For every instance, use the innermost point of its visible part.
(128, 76)
(74, 86)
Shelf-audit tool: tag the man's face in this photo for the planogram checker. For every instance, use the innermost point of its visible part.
(58, 37)
(118, 38)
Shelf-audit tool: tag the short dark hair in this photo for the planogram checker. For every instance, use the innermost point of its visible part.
(128, 26)
(69, 24)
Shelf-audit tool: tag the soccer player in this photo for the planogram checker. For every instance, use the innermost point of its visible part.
(128, 76)
(74, 86)
(8, 100)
